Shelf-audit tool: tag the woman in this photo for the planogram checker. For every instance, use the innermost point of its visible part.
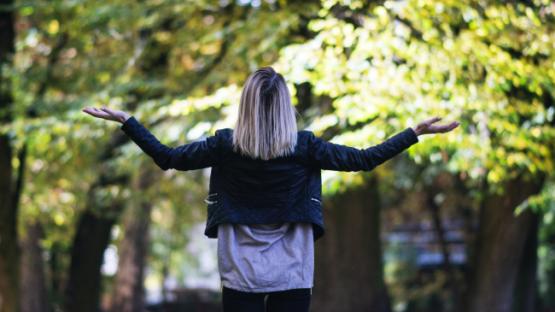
(264, 199)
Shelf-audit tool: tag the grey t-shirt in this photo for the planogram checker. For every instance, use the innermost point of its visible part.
(266, 257)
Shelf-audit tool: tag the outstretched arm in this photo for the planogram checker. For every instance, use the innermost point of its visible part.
(195, 155)
(330, 156)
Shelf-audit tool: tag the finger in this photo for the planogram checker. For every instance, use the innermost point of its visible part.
(89, 110)
(432, 120)
(107, 110)
(445, 128)
(99, 115)
(452, 125)
(440, 129)
(101, 111)
(429, 121)
(96, 112)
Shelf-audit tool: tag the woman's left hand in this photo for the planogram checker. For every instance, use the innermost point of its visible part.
(428, 127)
(107, 113)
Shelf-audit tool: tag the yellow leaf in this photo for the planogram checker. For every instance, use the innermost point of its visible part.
(53, 27)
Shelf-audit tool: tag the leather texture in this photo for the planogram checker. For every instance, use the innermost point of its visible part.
(253, 191)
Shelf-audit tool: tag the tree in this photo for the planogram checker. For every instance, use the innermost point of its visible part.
(9, 249)
(483, 63)
(128, 288)
(349, 265)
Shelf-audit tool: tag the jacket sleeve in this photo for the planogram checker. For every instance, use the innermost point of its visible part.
(330, 156)
(194, 155)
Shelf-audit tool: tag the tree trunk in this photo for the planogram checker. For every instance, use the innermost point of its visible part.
(87, 253)
(93, 231)
(9, 249)
(82, 291)
(500, 245)
(128, 289)
(348, 259)
(33, 287)
(526, 292)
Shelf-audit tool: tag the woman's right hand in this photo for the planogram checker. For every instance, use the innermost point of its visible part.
(107, 113)
(427, 126)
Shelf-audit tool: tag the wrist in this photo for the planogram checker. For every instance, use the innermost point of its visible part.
(416, 131)
(123, 118)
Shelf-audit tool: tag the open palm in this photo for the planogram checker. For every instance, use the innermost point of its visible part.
(427, 126)
(107, 113)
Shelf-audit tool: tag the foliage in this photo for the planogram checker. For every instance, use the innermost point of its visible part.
(373, 69)
(159, 60)
(487, 64)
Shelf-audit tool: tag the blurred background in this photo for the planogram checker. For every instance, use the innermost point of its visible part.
(462, 221)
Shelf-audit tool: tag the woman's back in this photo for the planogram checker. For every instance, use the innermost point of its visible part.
(245, 190)
(269, 183)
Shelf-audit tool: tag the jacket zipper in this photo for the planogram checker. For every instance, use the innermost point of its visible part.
(209, 202)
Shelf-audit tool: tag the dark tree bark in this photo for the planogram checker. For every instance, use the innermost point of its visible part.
(500, 247)
(7, 50)
(89, 243)
(9, 249)
(526, 291)
(33, 287)
(128, 289)
(348, 259)
(82, 291)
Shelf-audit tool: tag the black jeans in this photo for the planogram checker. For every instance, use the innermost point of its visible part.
(293, 300)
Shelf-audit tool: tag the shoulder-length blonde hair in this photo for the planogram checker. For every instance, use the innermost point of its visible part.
(266, 125)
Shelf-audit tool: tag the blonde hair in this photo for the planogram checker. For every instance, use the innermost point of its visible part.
(266, 125)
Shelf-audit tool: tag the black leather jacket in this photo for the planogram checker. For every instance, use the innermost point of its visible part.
(250, 191)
